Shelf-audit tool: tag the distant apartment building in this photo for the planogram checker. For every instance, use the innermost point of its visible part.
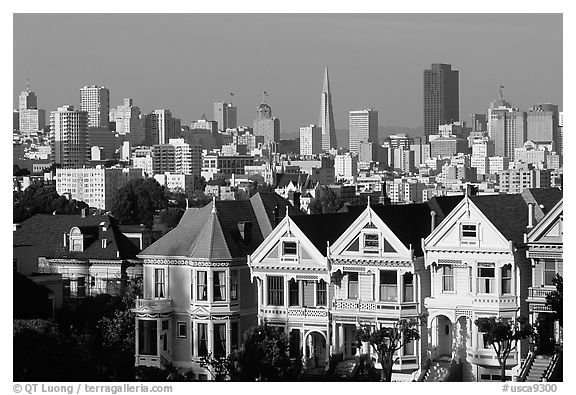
(458, 129)
(403, 160)
(104, 139)
(421, 151)
(507, 127)
(483, 147)
(530, 153)
(142, 159)
(310, 140)
(94, 186)
(31, 119)
(445, 147)
(160, 126)
(542, 125)
(128, 122)
(372, 152)
(496, 164)
(519, 179)
(403, 190)
(362, 127)
(176, 157)
(220, 166)
(346, 167)
(69, 129)
(183, 183)
(95, 100)
(245, 136)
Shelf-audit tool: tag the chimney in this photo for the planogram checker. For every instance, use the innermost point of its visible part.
(104, 243)
(432, 221)
(64, 239)
(83, 213)
(297, 200)
(530, 215)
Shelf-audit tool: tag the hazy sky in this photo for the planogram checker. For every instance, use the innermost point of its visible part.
(186, 62)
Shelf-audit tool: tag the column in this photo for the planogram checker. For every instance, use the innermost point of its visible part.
(210, 285)
(158, 334)
(228, 337)
(265, 290)
(300, 293)
(259, 289)
(334, 346)
(315, 293)
(286, 292)
(194, 339)
(341, 337)
(211, 337)
(228, 282)
(400, 282)
(137, 338)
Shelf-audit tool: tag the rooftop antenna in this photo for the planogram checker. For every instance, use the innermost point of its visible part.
(501, 92)
(231, 96)
(27, 84)
(264, 96)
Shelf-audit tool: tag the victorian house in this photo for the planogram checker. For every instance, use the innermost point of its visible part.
(198, 296)
(478, 267)
(321, 276)
(89, 251)
(545, 246)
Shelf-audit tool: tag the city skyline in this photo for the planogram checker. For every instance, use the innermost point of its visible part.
(391, 83)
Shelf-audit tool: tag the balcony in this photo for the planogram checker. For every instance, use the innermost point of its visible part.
(378, 308)
(539, 293)
(153, 305)
(308, 312)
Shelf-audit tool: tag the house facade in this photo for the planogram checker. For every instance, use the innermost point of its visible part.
(320, 277)
(89, 251)
(545, 251)
(478, 268)
(198, 297)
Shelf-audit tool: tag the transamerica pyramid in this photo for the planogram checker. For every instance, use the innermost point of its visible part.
(327, 116)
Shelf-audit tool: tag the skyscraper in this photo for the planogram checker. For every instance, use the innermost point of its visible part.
(128, 122)
(441, 97)
(160, 126)
(326, 121)
(363, 127)
(542, 125)
(69, 142)
(310, 140)
(95, 100)
(506, 126)
(266, 125)
(30, 117)
(225, 115)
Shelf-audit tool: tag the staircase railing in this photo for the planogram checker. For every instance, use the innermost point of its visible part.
(424, 370)
(526, 366)
(551, 369)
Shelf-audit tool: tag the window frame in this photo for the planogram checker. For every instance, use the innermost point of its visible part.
(385, 286)
(445, 276)
(489, 282)
(366, 247)
(547, 270)
(202, 340)
(276, 294)
(322, 294)
(220, 287)
(350, 282)
(179, 326)
(508, 279)
(234, 284)
(202, 288)
(157, 283)
(289, 254)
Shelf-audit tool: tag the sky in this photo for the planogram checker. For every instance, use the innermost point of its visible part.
(186, 62)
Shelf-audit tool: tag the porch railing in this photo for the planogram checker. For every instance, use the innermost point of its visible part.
(526, 366)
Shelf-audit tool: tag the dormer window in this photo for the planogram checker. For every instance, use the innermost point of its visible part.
(371, 243)
(76, 240)
(289, 248)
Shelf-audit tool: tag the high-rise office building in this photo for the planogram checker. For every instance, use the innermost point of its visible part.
(441, 97)
(177, 157)
(95, 100)
(265, 125)
(310, 140)
(160, 126)
(542, 125)
(363, 127)
(31, 119)
(69, 128)
(326, 121)
(225, 115)
(507, 127)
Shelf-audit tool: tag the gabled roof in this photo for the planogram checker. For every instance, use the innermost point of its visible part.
(322, 228)
(46, 232)
(265, 204)
(443, 205)
(213, 232)
(544, 198)
(297, 179)
(544, 225)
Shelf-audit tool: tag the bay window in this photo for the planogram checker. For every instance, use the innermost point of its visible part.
(408, 285)
(219, 285)
(202, 340)
(293, 299)
(388, 286)
(219, 340)
(321, 292)
(234, 285)
(485, 278)
(447, 278)
(352, 285)
(506, 275)
(549, 272)
(275, 291)
(202, 293)
(159, 290)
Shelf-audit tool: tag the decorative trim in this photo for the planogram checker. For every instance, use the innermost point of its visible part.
(150, 315)
(192, 262)
(372, 262)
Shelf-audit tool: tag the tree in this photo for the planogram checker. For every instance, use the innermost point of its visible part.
(388, 340)
(138, 200)
(264, 355)
(554, 299)
(170, 217)
(503, 335)
(326, 201)
(219, 368)
(40, 199)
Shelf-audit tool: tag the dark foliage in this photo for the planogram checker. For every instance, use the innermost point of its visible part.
(37, 199)
(555, 298)
(326, 202)
(138, 201)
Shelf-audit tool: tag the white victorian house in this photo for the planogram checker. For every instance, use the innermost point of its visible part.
(478, 266)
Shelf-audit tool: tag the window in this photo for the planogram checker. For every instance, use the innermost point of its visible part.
(388, 286)
(219, 340)
(408, 284)
(234, 285)
(76, 244)
(66, 290)
(293, 299)
(506, 279)
(289, 248)
(165, 325)
(159, 283)
(219, 287)
(352, 285)
(81, 287)
(275, 291)
(182, 330)
(202, 340)
(321, 293)
(147, 337)
(469, 231)
(549, 272)
(409, 348)
(371, 243)
(485, 278)
(447, 278)
(202, 287)
(470, 279)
